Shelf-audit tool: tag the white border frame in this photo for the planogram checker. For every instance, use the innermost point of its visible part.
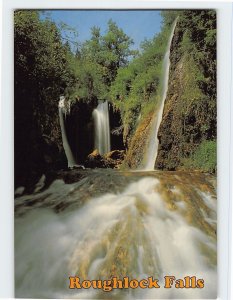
(224, 63)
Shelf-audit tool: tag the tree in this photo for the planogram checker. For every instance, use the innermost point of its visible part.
(116, 50)
(136, 88)
(98, 61)
(169, 16)
(42, 73)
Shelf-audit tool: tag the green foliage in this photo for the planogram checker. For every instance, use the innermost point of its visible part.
(42, 72)
(105, 68)
(192, 76)
(198, 50)
(98, 61)
(190, 108)
(169, 16)
(204, 158)
(199, 29)
(137, 87)
(40, 56)
(187, 139)
(88, 83)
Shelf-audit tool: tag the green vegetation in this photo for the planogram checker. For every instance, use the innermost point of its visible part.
(204, 158)
(189, 118)
(97, 62)
(40, 56)
(137, 88)
(198, 48)
(41, 73)
(198, 97)
(105, 68)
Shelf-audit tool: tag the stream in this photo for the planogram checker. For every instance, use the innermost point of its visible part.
(112, 223)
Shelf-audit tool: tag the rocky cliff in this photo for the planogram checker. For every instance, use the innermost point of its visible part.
(188, 128)
(138, 142)
(187, 133)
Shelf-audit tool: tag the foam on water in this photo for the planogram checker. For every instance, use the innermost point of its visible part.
(131, 233)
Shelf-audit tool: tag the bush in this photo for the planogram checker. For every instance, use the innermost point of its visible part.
(204, 158)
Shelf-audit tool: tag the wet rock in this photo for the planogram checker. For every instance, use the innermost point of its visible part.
(115, 154)
(19, 191)
(94, 160)
(94, 155)
(187, 120)
(138, 143)
(114, 159)
(111, 159)
(40, 184)
(78, 167)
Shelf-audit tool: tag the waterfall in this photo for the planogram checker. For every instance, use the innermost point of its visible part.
(63, 110)
(102, 128)
(152, 150)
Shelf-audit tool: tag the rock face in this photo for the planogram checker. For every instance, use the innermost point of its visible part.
(116, 129)
(134, 155)
(39, 145)
(80, 128)
(111, 159)
(189, 115)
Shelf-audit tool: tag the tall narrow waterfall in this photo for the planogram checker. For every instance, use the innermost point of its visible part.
(102, 128)
(63, 111)
(152, 150)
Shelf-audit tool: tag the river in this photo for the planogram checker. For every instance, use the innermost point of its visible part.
(112, 223)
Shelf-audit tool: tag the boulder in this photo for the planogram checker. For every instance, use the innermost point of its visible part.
(111, 159)
(115, 155)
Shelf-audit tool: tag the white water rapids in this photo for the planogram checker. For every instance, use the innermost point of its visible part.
(102, 129)
(153, 142)
(140, 225)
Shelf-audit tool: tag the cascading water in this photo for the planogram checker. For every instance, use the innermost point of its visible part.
(111, 223)
(152, 148)
(63, 110)
(115, 224)
(102, 128)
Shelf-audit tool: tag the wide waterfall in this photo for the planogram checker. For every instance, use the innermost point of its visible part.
(63, 110)
(152, 148)
(117, 224)
(102, 128)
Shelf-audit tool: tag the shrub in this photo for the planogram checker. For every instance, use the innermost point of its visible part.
(203, 158)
